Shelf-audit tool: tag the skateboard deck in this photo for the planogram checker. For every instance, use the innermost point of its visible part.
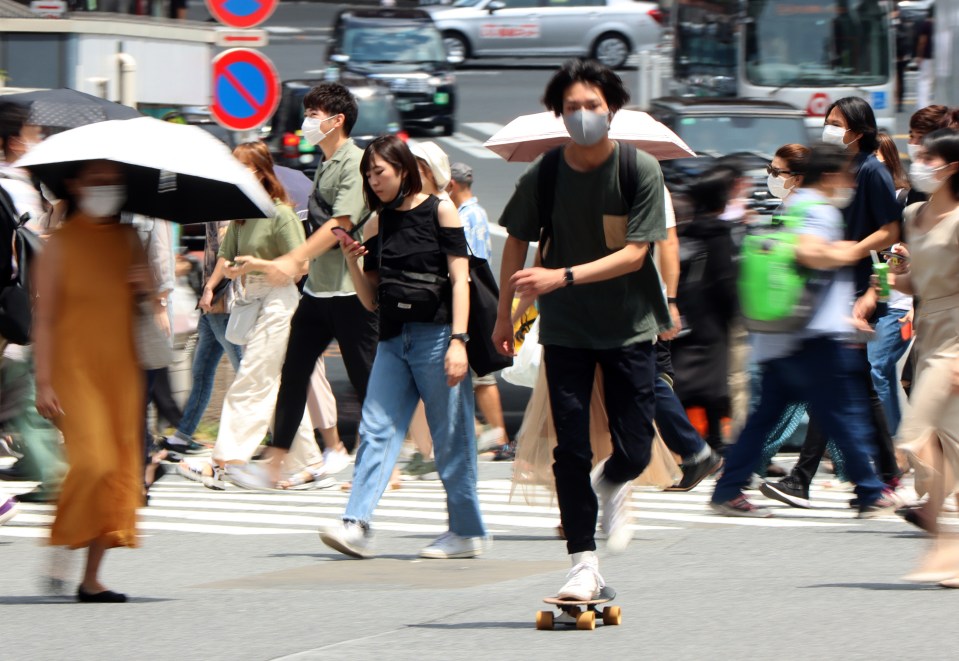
(582, 614)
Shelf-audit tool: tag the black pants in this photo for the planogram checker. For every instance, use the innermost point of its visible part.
(814, 447)
(162, 397)
(628, 374)
(316, 323)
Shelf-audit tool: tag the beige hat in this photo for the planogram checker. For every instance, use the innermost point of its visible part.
(436, 158)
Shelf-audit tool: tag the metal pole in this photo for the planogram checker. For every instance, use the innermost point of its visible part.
(645, 69)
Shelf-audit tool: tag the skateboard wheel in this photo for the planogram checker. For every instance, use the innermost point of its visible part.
(612, 615)
(544, 620)
(586, 620)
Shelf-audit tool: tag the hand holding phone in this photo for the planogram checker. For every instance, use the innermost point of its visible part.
(343, 236)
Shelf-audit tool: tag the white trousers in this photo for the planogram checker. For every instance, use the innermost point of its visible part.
(924, 84)
(250, 402)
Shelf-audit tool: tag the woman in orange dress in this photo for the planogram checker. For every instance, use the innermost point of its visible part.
(88, 379)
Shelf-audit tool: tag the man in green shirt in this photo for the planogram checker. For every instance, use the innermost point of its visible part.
(601, 304)
(329, 308)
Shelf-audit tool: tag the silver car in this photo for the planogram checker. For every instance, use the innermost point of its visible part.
(608, 30)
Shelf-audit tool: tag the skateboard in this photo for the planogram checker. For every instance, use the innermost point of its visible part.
(582, 614)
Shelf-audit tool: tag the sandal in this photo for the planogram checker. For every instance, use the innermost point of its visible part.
(194, 472)
(306, 479)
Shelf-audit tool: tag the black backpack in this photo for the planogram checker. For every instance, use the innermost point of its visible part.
(546, 183)
(18, 249)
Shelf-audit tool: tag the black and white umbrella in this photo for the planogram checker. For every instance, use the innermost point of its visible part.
(67, 108)
(173, 171)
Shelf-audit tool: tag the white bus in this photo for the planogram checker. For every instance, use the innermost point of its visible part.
(807, 53)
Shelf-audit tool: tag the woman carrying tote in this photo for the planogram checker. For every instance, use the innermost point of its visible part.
(415, 273)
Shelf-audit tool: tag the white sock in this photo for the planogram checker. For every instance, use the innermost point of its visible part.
(585, 556)
(702, 455)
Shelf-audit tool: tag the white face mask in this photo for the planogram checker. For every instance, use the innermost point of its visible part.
(102, 201)
(777, 186)
(586, 127)
(913, 151)
(842, 197)
(311, 129)
(923, 178)
(834, 135)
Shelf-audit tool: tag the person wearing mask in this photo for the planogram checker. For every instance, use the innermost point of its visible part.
(816, 364)
(929, 433)
(421, 355)
(601, 303)
(872, 217)
(476, 225)
(249, 402)
(89, 381)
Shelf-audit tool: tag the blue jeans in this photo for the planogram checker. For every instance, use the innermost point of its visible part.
(677, 431)
(828, 375)
(884, 352)
(210, 345)
(408, 368)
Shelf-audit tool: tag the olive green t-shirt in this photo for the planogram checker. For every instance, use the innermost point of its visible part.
(590, 221)
(266, 238)
(340, 184)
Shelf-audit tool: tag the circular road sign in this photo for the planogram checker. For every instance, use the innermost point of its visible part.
(241, 13)
(246, 89)
(818, 105)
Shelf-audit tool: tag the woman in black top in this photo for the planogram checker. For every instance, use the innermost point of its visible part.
(416, 275)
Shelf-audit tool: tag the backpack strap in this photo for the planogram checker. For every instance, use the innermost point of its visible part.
(546, 189)
(628, 173)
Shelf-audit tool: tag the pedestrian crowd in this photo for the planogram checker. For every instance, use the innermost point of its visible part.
(840, 312)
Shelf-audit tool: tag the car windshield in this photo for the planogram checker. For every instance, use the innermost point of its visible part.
(393, 43)
(717, 136)
(817, 42)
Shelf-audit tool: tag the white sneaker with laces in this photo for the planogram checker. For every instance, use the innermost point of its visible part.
(349, 538)
(449, 545)
(615, 502)
(584, 581)
(335, 460)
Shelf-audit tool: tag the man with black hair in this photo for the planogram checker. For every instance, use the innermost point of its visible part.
(601, 303)
(329, 308)
(816, 364)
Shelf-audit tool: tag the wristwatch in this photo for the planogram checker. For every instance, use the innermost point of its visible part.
(670, 300)
(462, 337)
(568, 276)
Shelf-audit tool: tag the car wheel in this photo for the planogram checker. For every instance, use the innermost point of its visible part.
(456, 45)
(611, 50)
(447, 129)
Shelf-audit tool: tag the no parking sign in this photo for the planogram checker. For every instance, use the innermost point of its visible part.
(246, 89)
(241, 13)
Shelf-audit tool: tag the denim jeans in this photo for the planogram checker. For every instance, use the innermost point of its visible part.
(826, 374)
(408, 368)
(884, 353)
(210, 345)
(677, 431)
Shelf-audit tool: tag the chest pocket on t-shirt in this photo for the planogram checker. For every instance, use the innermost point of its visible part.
(614, 229)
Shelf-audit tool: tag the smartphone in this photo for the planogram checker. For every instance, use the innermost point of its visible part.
(343, 235)
(891, 256)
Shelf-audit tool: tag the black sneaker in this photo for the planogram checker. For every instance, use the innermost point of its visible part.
(740, 506)
(788, 490)
(696, 472)
(506, 452)
(177, 451)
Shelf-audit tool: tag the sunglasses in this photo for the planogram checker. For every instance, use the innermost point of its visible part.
(776, 172)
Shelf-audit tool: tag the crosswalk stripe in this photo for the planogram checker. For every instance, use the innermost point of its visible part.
(467, 144)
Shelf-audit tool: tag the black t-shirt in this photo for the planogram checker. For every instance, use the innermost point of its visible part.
(874, 206)
(414, 241)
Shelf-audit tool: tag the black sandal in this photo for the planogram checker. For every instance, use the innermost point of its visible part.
(105, 597)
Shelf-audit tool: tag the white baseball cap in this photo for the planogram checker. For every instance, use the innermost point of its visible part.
(437, 160)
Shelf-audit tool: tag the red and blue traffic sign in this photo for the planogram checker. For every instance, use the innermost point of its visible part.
(246, 89)
(241, 13)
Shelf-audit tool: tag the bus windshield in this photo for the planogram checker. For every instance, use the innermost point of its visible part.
(798, 43)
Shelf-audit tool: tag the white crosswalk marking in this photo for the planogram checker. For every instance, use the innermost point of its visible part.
(468, 144)
(180, 506)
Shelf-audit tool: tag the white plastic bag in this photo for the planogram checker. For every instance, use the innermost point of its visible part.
(526, 364)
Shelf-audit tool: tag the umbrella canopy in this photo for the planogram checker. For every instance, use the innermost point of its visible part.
(173, 171)
(528, 136)
(66, 108)
(298, 186)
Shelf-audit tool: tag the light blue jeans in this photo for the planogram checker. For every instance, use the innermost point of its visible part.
(408, 368)
(884, 353)
(210, 345)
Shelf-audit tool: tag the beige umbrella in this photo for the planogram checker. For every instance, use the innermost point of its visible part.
(528, 136)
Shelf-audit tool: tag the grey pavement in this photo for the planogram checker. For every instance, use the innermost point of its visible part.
(235, 575)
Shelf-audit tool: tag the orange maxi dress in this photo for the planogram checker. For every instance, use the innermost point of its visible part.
(99, 383)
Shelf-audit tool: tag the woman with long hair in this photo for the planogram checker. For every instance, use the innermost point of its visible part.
(415, 273)
(251, 399)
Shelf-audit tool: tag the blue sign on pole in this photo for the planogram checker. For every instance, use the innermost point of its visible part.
(246, 89)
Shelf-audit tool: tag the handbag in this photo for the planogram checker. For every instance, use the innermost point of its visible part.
(484, 301)
(411, 297)
(153, 346)
(239, 329)
(16, 302)
(525, 368)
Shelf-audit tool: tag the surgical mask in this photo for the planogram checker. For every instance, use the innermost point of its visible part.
(311, 129)
(777, 186)
(923, 178)
(586, 127)
(834, 135)
(102, 201)
(913, 151)
(842, 197)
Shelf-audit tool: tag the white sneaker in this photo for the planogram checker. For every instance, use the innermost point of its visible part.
(350, 538)
(335, 460)
(583, 580)
(217, 481)
(449, 545)
(249, 476)
(615, 502)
